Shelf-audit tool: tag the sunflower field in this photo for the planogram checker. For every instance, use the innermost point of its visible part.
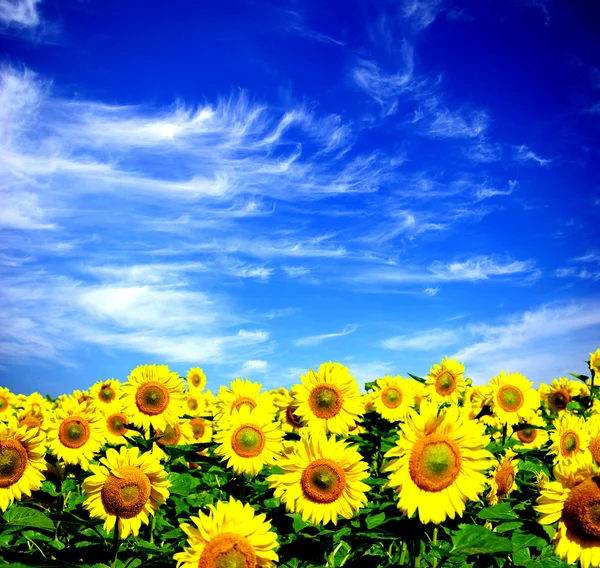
(157, 471)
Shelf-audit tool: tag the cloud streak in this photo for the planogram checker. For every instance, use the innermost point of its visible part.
(317, 339)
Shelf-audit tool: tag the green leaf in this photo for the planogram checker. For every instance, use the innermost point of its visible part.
(505, 527)
(521, 557)
(574, 405)
(522, 540)
(299, 524)
(474, 539)
(500, 512)
(271, 503)
(375, 520)
(27, 517)
(580, 377)
(181, 483)
(419, 379)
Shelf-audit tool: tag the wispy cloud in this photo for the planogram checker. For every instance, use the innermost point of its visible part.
(524, 154)
(297, 24)
(421, 13)
(20, 12)
(487, 192)
(253, 366)
(425, 341)
(316, 339)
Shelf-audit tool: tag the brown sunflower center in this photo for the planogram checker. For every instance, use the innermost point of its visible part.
(115, 424)
(107, 394)
(323, 481)
(595, 449)
(527, 435)
(391, 397)
(505, 479)
(192, 403)
(325, 401)
(560, 399)
(228, 550)
(13, 462)
(445, 384)
(195, 379)
(581, 511)
(510, 398)
(248, 441)
(291, 417)
(74, 432)
(243, 402)
(435, 462)
(198, 427)
(3, 404)
(569, 443)
(125, 492)
(152, 398)
(170, 436)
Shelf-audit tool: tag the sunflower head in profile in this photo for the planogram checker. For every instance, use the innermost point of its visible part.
(322, 478)
(7, 403)
(201, 429)
(242, 393)
(593, 426)
(75, 433)
(178, 433)
(503, 478)
(153, 397)
(393, 398)
(127, 486)
(329, 400)
(531, 437)
(31, 419)
(196, 380)
(21, 461)
(570, 438)
(513, 398)
(105, 395)
(231, 536)
(248, 439)
(445, 382)
(115, 427)
(595, 363)
(438, 462)
(557, 396)
(285, 403)
(574, 501)
(476, 398)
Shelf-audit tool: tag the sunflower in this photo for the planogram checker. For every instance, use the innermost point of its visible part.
(248, 440)
(392, 398)
(284, 401)
(153, 396)
(438, 463)
(445, 382)
(242, 393)
(105, 395)
(231, 536)
(127, 486)
(322, 479)
(573, 500)
(513, 398)
(202, 430)
(31, 419)
(476, 398)
(75, 433)
(196, 380)
(531, 438)
(36, 404)
(329, 400)
(595, 363)
(503, 479)
(7, 400)
(570, 437)
(557, 395)
(115, 427)
(593, 425)
(177, 434)
(21, 462)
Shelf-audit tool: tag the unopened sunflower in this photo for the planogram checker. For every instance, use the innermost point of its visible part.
(7, 400)
(249, 439)
(242, 393)
(75, 433)
(285, 402)
(570, 438)
(127, 486)
(231, 536)
(105, 395)
(558, 395)
(21, 462)
(329, 400)
(393, 398)
(438, 462)
(322, 479)
(530, 437)
(513, 398)
(153, 397)
(503, 478)
(196, 380)
(574, 501)
(445, 382)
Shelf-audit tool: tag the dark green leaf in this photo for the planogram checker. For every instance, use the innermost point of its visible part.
(26, 517)
(375, 520)
(500, 512)
(474, 539)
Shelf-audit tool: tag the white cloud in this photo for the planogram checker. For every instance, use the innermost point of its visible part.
(421, 13)
(367, 371)
(524, 154)
(487, 192)
(432, 291)
(316, 339)
(296, 271)
(253, 366)
(19, 12)
(426, 341)
(445, 123)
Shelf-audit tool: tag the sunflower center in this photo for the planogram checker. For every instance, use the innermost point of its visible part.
(170, 436)
(323, 481)
(125, 492)
(291, 417)
(3, 404)
(198, 427)
(527, 435)
(152, 398)
(560, 399)
(581, 511)
(391, 397)
(445, 384)
(435, 462)
(325, 401)
(595, 449)
(243, 402)
(30, 421)
(74, 432)
(510, 398)
(569, 443)
(115, 424)
(13, 462)
(505, 478)
(228, 550)
(192, 403)
(196, 380)
(248, 441)
(107, 394)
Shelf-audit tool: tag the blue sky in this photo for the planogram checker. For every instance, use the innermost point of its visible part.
(256, 187)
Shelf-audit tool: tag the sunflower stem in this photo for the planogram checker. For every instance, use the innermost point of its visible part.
(115, 546)
(434, 541)
(403, 553)
(243, 489)
(504, 432)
